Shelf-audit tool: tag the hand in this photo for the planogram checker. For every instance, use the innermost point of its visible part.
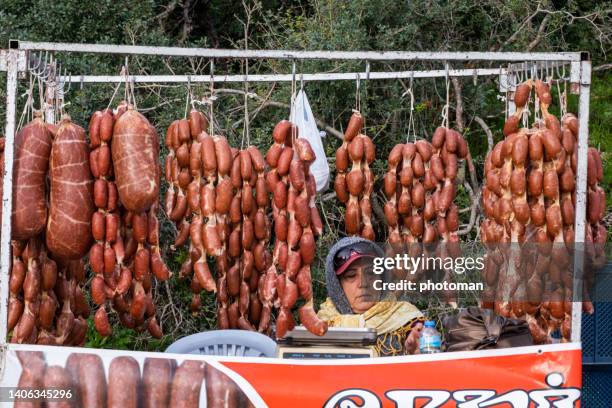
(411, 344)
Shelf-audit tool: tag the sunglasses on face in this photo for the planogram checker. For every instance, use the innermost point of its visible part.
(345, 254)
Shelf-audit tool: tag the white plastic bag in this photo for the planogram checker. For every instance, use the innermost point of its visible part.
(302, 117)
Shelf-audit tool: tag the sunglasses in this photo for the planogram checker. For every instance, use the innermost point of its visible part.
(345, 254)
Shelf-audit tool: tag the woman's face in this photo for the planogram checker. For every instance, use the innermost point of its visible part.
(356, 282)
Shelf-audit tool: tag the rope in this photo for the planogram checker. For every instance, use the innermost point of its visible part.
(188, 96)
(26, 108)
(245, 125)
(411, 117)
(536, 105)
(126, 94)
(116, 89)
(365, 95)
(506, 101)
(357, 94)
(293, 98)
(41, 94)
(212, 96)
(132, 87)
(446, 107)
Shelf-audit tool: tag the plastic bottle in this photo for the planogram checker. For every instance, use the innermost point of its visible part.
(431, 341)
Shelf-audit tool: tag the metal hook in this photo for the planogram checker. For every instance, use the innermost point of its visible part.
(37, 71)
(367, 70)
(62, 82)
(411, 79)
(560, 73)
(34, 59)
(301, 81)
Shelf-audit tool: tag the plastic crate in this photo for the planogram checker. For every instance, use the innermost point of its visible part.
(596, 386)
(225, 343)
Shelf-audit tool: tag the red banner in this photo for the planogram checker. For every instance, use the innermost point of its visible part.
(547, 376)
(527, 377)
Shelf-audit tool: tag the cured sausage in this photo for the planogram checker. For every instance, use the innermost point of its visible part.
(123, 383)
(186, 384)
(135, 150)
(32, 150)
(69, 234)
(157, 381)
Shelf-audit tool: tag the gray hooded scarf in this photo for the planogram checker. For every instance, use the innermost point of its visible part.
(334, 289)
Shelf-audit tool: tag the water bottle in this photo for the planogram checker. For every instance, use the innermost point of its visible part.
(430, 341)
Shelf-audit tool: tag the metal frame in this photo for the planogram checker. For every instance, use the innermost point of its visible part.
(13, 61)
(294, 55)
(337, 76)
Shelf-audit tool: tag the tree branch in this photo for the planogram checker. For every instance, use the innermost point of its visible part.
(602, 67)
(487, 130)
(473, 213)
(187, 27)
(518, 30)
(540, 33)
(329, 129)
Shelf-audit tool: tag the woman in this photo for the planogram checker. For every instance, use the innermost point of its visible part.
(353, 301)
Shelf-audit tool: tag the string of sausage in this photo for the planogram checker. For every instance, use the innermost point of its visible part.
(529, 196)
(355, 188)
(225, 218)
(125, 225)
(293, 189)
(420, 186)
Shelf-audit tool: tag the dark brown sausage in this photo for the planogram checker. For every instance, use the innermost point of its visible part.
(157, 379)
(123, 383)
(186, 385)
(135, 158)
(32, 149)
(70, 204)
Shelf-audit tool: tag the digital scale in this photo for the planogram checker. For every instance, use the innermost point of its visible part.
(337, 343)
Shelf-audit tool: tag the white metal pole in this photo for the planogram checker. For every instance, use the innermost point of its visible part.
(7, 190)
(299, 54)
(581, 197)
(322, 76)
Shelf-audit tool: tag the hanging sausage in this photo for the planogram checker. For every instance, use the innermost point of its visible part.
(420, 186)
(46, 302)
(32, 150)
(226, 218)
(288, 278)
(124, 162)
(529, 198)
(355, 187)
